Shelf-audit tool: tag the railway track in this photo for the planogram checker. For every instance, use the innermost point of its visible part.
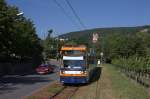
(66, 93)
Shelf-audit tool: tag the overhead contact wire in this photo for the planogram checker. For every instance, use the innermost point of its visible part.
(75, 14)
(65, 13)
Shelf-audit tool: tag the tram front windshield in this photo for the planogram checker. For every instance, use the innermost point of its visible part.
(73, 63)
(71, 52)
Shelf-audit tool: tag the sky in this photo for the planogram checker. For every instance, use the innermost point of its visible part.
(46, 14)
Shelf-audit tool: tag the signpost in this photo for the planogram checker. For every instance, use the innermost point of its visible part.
(95, 37)
(101, 54)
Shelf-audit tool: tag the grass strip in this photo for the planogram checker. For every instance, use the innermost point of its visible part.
(124, 87)
(46, 92)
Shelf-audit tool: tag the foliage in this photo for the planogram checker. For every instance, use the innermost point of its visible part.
(131, 54)
(51, 46)
(18, 36)
(114, 42)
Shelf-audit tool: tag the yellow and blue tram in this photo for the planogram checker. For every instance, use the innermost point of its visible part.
(77, 64)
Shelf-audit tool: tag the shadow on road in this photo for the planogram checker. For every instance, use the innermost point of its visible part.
(10, 83)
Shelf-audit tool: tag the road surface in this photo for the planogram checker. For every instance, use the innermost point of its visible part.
(16, 86)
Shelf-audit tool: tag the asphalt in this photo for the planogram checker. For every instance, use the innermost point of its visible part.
(16, 86)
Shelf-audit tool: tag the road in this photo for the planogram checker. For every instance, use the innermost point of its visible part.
(16, 86)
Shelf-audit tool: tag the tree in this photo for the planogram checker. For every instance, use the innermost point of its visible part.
(17, 34)
(50, 33)
(50, 45)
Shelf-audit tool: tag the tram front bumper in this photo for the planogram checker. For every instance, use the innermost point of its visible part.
(73, 79)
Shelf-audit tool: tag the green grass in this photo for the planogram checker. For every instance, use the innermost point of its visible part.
(124, 87)
(54, 90)
(46, 92)
(34, 97)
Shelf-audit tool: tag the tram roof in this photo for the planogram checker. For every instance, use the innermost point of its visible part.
(70, 47)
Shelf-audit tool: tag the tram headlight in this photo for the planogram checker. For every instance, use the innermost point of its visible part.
(83, 72)
(62, 72)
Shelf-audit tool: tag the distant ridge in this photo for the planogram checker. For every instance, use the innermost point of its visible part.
(86, 34)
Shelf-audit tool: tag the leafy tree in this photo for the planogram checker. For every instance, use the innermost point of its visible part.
(50, 46)
(17, 34)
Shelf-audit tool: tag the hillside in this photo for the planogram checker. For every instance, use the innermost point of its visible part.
(87, 34)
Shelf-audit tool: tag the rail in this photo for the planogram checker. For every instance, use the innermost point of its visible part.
(66, 93)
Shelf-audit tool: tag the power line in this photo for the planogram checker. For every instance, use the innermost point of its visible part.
(75, 14)
(65, 13)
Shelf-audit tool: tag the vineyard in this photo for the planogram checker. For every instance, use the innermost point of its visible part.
(137, 69)
(130, 52)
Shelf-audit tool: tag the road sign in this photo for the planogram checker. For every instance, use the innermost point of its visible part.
(101, 53)
(95, 37)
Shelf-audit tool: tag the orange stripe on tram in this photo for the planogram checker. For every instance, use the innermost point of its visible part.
(72, 74)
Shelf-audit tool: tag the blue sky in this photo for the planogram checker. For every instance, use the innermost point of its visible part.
(94, 13)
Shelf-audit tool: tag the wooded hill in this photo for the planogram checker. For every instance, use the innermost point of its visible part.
(86, 35)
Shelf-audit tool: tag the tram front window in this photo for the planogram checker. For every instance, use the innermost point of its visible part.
(73, 52)
(74, 63)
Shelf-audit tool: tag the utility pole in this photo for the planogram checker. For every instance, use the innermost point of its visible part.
(57, 41)
(101, 54)
(95, 38)
(102, 49)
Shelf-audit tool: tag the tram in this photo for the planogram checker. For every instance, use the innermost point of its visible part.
(77, 64)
